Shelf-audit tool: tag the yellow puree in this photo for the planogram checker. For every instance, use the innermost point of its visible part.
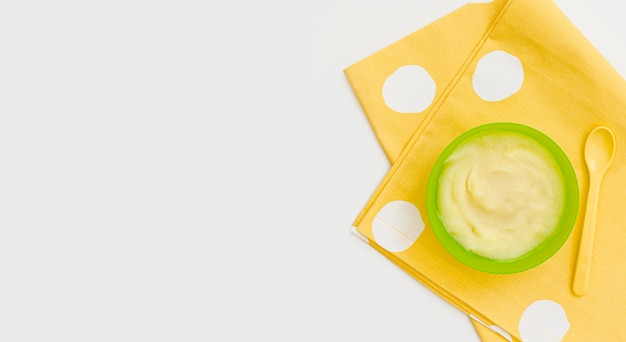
(500, 195)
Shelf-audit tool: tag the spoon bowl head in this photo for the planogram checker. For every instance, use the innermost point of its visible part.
(599, 149)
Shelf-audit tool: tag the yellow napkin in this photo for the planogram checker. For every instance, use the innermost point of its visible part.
(473, 59)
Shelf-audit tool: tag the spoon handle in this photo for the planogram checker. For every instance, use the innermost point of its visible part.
(580, 284)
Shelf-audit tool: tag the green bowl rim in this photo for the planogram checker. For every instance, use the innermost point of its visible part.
(539, 254)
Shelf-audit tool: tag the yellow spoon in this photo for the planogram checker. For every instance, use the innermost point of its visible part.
(599, 152)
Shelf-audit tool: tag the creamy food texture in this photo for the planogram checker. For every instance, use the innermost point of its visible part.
(500, 195)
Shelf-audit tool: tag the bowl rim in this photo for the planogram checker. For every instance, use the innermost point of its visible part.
(543, 251)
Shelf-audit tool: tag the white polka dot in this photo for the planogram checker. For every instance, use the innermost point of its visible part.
(410, 89)
(498, 75)
(397, 226)
(543, 320)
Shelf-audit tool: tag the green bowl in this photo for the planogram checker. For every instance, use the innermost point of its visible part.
(543, 251)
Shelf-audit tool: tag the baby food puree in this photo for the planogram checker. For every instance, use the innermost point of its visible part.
(500, 195)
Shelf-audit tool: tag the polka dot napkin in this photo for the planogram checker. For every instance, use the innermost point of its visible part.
(506, 60)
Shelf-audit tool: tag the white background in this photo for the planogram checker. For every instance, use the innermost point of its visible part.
(189, 170)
